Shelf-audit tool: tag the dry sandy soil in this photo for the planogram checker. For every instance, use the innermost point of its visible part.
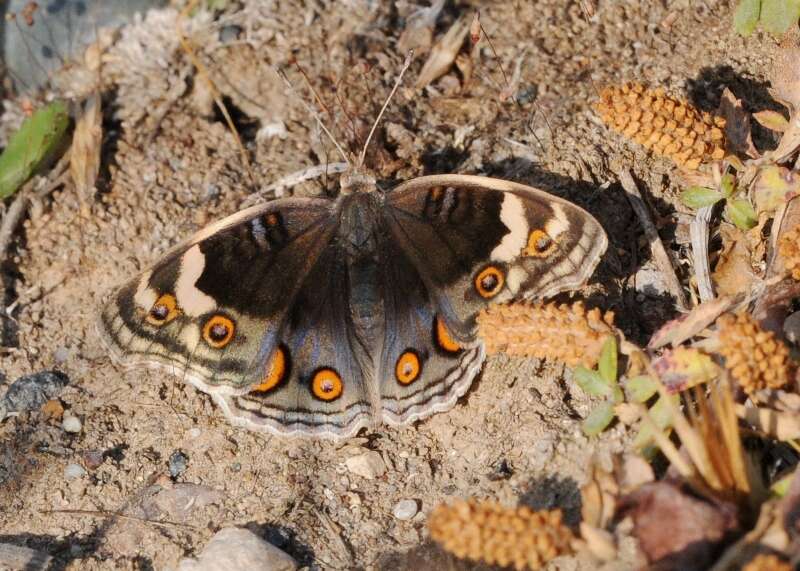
(170, 165)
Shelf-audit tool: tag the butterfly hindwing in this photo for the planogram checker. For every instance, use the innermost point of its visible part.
(323, 385)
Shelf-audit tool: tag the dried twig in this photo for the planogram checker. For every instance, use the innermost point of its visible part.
(293, 179)
(699, 233)
(660, 254)
(116, 514)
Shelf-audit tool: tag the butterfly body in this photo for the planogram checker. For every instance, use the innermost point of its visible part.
(319, 317)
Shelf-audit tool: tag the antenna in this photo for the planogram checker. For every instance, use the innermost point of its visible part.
(397, 82)
(315, 115)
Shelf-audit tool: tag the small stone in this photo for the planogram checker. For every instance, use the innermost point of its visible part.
(237, 549)
(92, 459)
(71, 423)
(178, 463)
(230, 33)
(368, 465)
(405, 509)
(61, 355)
(178, 502)
(74, 471)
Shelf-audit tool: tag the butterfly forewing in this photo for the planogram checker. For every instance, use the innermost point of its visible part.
(236, 277)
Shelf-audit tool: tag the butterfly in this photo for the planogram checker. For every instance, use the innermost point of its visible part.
(315, 316)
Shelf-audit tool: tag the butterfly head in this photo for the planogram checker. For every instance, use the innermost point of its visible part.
(355, 181)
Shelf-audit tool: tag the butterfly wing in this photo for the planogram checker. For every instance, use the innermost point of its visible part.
(458, 243)
(233, 279)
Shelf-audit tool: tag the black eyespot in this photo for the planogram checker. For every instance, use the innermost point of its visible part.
(543, 243)
(159, 312)
(489, 282)
(218, 332)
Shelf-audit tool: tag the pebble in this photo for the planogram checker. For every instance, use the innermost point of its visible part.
(230, 33)
(237, 549)
(178, 463)
(31, 392)
(368, 465)
(71, 423)
(405, 509)
(74, 471)
(61, 355)
(178, 502)
(93, 459)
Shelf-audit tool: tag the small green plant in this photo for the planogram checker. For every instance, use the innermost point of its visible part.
(738, 210)
(774, 16)
(641, 389)
(601, 382)
(33, 145)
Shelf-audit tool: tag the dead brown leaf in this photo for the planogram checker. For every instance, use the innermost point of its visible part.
(734, 271)
(737, 125)
(686, 326)
(418, 33)
(444, 53)
(84, 162)
(675, 528)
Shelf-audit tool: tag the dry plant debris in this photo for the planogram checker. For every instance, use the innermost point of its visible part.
(755, 358)
(567, 333)
(663, 124)
(789, 249)
(510, 537)
(767, 562)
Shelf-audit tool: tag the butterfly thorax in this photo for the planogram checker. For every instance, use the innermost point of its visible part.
(359, 237)
(356, 181)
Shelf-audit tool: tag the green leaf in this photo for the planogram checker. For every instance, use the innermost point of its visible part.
(599, 419)
(746, 16)
(777, 16)
(741, 213)
(608, 361)
(698, 197)
(641, 388)
(728, 185)
(591, 382)
(37, 139)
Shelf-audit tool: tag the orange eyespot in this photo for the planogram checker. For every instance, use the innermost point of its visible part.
(540, 245)
(164, 310)
(443, 338)
(408, 368)
(327, 385)
(218, 331)
(489, 281)
(276, 371)
(272, 219)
